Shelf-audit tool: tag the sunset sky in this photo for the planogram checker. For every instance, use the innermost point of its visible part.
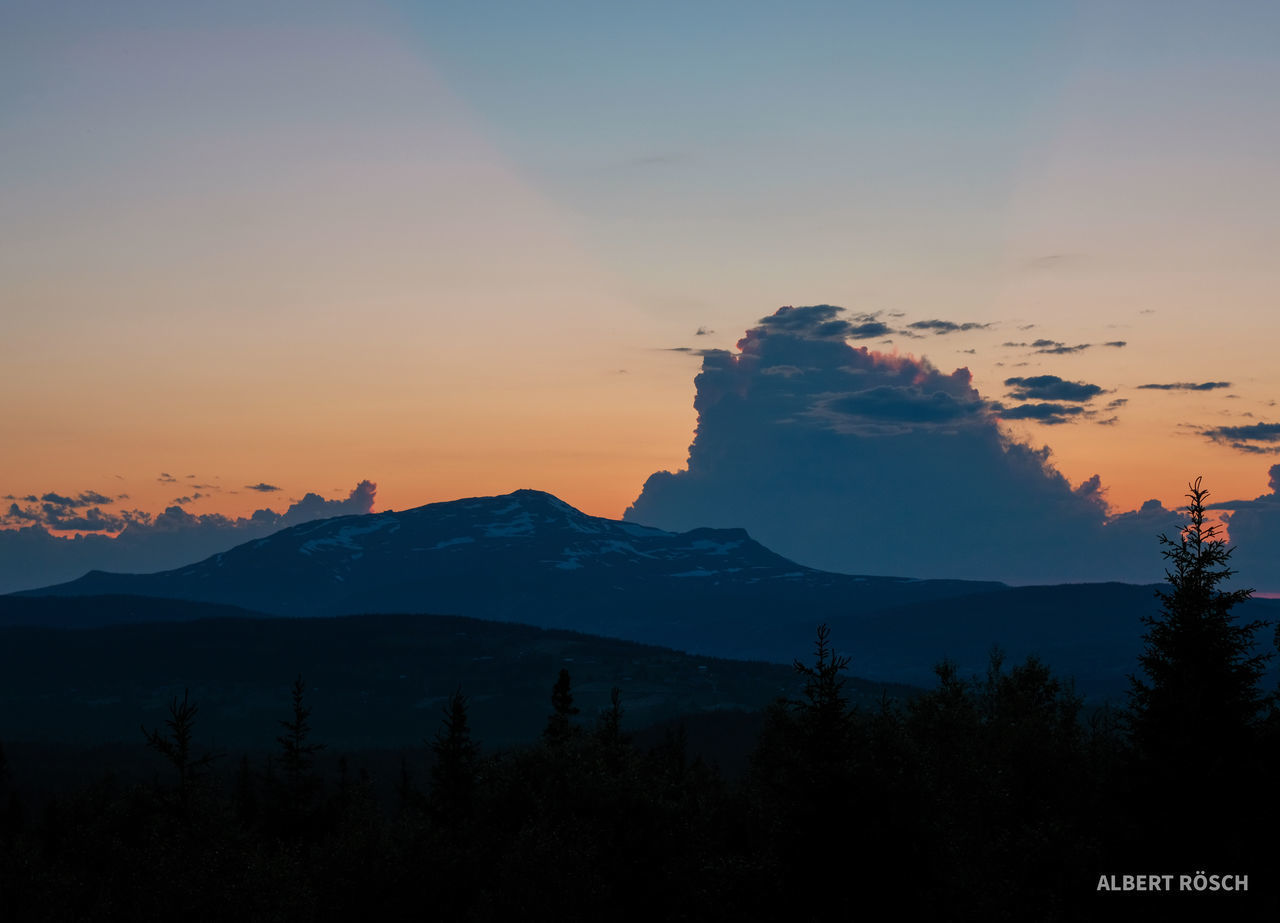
(462, 248)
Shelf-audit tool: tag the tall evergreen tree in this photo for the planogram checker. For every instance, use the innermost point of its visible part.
(298, 754)
(559, 725)
(824, 708)
(176, 748)
(453, 775)
(1199, 700)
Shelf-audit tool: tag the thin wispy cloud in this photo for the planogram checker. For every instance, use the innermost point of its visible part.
(945, 326)
(1186, 386)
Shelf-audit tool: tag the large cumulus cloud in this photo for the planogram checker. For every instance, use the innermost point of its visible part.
(853, 460)
(31, 556)
(1254, 530)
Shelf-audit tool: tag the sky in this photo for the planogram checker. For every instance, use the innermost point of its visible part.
(257, 256)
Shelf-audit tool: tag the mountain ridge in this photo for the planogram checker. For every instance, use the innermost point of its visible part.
(529, 557)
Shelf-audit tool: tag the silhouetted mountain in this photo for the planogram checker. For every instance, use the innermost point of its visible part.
(529, 557)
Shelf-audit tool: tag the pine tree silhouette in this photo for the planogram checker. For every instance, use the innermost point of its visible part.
(559, 726)
(453, 775)
(1200, 698)
(297, 754)
(176, 748)
(1195, 715)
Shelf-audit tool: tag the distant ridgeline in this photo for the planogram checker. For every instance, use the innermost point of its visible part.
(528, 557)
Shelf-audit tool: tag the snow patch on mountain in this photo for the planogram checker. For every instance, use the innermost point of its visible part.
(449, 543)
(520, 525)
(346, 536)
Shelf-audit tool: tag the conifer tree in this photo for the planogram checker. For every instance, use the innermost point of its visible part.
(559, 726)
(176, 747)
(298, 754)
(824, 710)
(453, 775)
(1199, 700)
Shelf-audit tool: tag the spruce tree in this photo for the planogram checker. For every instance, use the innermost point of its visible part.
(453, 775)
(559, 725)
(297, 754)
(1199, 702)
(823, 684)
(176, 748)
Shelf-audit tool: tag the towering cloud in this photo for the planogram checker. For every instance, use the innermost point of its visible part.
(1254, 529)
(862, 462)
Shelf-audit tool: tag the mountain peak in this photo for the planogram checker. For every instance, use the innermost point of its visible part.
(527, 496)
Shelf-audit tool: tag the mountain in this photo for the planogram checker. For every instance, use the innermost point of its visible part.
(529, 557)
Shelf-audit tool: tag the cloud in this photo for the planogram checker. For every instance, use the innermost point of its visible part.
(824, 321)
(61, 516)
(1246, 438)
(1058, 348)
(1061, 349)
(945, 326)
(166, 478)
(31, 556)
(702, 332)
(17, 514)
(93, 519)
(1253, 527)
(1186, 386)
(1048, 414)
(1051, 388)
(865, 462)
(887, 408)
(314, 506)
(869, 330)
(262, 487)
